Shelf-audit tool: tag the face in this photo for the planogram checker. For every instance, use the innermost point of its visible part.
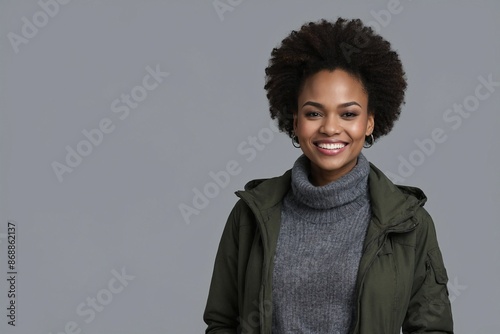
(331, 123)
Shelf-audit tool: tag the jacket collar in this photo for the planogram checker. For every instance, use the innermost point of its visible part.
(391, 204)
(264, 197)
(267, 193)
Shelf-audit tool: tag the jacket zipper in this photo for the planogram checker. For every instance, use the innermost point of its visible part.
(265, 268)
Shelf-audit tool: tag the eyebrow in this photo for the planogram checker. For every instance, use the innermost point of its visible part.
(320, 106)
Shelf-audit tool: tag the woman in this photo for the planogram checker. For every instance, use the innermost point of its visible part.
(331, 246)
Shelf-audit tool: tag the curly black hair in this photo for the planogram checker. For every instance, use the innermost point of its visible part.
(344, 44)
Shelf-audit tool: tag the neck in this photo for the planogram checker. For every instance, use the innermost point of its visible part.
(329, 202)
(320, 177)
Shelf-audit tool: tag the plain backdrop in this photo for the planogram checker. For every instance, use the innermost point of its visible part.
(102, 244)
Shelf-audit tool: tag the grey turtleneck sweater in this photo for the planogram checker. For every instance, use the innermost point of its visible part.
(318, 251)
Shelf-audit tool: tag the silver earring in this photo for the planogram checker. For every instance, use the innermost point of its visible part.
(367, 143)
(295, 141)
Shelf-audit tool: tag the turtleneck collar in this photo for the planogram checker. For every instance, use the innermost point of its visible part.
(332, 201)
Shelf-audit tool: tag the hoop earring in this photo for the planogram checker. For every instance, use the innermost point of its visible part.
(367, 143)
(295, 141)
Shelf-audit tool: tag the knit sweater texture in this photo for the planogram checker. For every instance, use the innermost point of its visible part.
(318, 251)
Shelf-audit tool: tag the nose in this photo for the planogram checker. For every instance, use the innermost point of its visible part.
(330, 126)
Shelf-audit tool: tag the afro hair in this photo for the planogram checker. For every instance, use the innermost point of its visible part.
(344, 44)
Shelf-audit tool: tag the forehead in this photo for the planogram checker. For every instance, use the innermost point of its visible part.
(333, 87)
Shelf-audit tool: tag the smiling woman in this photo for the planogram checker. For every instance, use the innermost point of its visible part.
(332, 245)
(333, 120)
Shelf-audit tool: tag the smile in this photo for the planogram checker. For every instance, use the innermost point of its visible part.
(331, 146)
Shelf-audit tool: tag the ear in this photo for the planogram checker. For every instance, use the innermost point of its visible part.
(371, 124)
(295, 121)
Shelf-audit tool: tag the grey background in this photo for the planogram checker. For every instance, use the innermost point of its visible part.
(119, 209)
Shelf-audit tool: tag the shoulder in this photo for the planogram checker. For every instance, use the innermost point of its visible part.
(393, 199)
(258, 196)
(392, 202)
(261, 194)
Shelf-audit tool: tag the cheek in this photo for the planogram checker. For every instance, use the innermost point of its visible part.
(358, 129)
(303, 129)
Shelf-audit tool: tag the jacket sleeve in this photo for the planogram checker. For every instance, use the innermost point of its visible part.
(221, 311)
(429, 310)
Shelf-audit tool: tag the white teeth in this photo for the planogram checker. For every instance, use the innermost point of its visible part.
(328, 146)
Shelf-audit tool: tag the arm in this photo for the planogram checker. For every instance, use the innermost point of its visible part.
(429, 310)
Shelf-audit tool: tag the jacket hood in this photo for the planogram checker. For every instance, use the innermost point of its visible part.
(390, 202)
(266, 193)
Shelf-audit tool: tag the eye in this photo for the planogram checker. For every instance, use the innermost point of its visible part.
(312, 114)
(349, 114)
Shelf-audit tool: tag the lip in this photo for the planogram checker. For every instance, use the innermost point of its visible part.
(328, 141)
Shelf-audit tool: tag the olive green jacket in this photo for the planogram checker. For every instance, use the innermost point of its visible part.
(401, 280)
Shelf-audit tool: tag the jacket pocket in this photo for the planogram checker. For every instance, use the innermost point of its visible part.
(436, 280)
(436, 261)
